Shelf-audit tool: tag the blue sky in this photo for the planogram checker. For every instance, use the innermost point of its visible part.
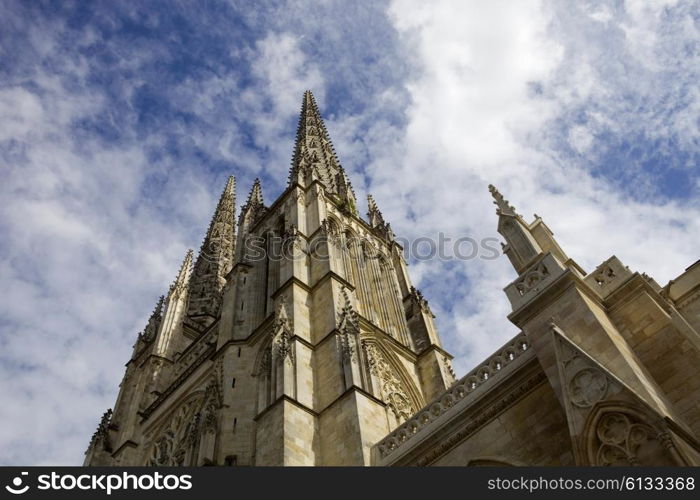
(119, 123)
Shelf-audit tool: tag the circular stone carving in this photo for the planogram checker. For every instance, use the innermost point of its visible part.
(587, 387)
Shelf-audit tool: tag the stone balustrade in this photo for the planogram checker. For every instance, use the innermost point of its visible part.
(482, 374)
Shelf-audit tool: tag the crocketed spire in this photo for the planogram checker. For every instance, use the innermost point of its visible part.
(214, 261)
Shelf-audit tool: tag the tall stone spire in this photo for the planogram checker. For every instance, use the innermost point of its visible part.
(255, 197)
(255, 205)
(525, 242)
(214, 261)
(314, 156)
(175, 305)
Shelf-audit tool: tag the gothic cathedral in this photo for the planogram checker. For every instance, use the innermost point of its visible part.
(297, 338)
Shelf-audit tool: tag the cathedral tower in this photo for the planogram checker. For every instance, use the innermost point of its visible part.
(295, 338)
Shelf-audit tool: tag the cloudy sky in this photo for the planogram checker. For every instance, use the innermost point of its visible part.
(120, 121)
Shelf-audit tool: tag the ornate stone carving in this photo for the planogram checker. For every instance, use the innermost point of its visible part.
(604, 275)
(587, 387)
(532, 279)
(331, 231)
(174, 442)
(184, 367)
(347, 329)
(391, 388)
(178, 438)
(265, 364)
(624, 441)
(282, 334)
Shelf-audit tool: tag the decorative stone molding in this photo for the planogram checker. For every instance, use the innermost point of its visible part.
(448, 371)
(282, 347)
(531, 279)
(480, 375)
(194, 351)
(534, 280)
(176, 442)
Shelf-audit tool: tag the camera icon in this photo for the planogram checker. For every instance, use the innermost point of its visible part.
(16, 488)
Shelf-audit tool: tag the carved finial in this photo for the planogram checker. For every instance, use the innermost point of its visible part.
(504, 208)
(376, 220)
(255, 205)
(282, 315)
(282, 333)
(371, 204)
(347, 314)
(374, 215)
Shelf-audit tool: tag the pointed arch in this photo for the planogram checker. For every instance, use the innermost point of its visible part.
(390, 381)
(174, 441)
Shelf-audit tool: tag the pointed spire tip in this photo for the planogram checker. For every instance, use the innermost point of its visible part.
(503, 206)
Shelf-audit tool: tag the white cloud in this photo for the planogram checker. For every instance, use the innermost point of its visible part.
(474, 118)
